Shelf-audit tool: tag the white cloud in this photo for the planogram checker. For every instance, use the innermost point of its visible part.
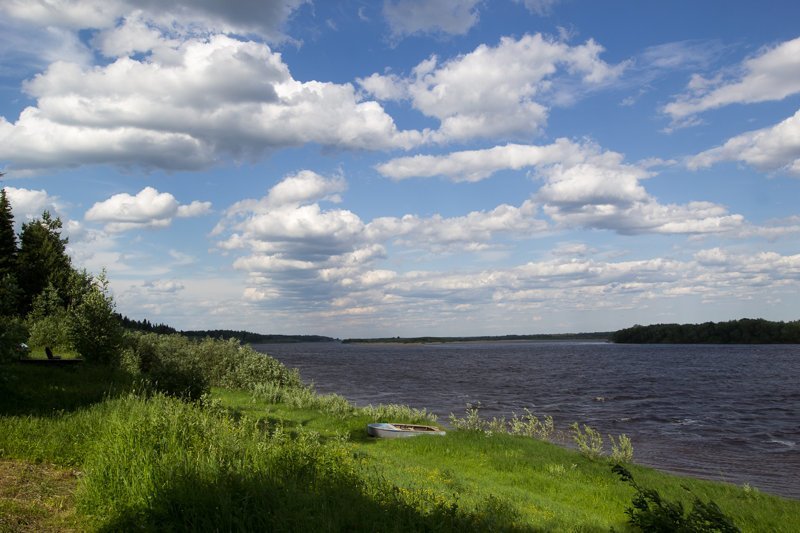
(540, 7)
(497, 91)
(776, 148)
(305, 186)
(194, 209)
(406, 17)
(185, 107)
(475, 165)
(162, 286)
(583, 187)
(294, 247)
(774, 74)
(28, 204)
(265, 17)
(148, 209)
(475, 229)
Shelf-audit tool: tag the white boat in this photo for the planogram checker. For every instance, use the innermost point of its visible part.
(397, 431)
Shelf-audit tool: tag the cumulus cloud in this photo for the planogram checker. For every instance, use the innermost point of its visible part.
(292, 245)
(500, 91)
(773, 74)
(147, 209)
(583, 186)
(163, 286)
(183, 107)
(406, 301)
(28, 204)
(476, 165)
(406, 17)
(776, 148)
(264, 17)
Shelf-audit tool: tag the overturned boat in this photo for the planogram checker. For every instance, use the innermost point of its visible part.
(397, 431)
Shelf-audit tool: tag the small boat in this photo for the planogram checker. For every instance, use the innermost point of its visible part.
(397, 431)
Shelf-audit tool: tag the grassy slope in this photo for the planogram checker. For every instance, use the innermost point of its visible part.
(147, 461)
(545, 485)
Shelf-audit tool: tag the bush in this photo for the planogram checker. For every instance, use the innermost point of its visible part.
(12, 334)
(530, 426)
(96, 330)
(53, 331)
(589, 441)
(179, 366)
(650, 512)
(621, 449)
(178, 378)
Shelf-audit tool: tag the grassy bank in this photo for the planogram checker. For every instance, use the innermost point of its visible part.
(93, 449)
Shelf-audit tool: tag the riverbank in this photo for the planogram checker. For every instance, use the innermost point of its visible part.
(287, 461)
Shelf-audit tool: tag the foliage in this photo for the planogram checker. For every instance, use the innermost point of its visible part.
(653, 513)
(144, 325)
(48, 321)
(396, 413)
(10, 294)
(180, 366)
(52, 331)
(589, 441)
(744, 331)
(42, 259)
(12, 333)
(621, 449)
(529, 425)
(96, 332)
(472, 420)
(8, 239)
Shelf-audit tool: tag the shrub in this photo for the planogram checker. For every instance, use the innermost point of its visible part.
(179, 366)
(529, 425)
(621, 449)
(53, 331)
(650, 512)
(96, 330)
(12, 334)
(589, 441)
(397, 413)
(472, 419)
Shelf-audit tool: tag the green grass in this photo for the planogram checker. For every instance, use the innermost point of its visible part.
(237, 462)
(543, 485)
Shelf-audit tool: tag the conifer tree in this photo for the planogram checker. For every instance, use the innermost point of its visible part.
(8, 240)
(42, 259)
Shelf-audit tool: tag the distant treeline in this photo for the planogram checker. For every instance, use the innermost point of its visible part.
(600, 335)
(246, 337)
(144, 325)
(744, 331)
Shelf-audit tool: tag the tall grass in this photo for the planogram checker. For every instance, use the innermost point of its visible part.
(305, 397)
(160, 463)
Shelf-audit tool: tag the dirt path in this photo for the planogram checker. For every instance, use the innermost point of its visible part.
(37, 497)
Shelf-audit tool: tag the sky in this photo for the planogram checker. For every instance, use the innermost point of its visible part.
(413, 167)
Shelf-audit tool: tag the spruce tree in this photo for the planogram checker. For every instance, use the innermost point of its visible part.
(42, 259)
(8, 240)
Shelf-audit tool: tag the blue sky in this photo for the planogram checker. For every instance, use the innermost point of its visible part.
(413, 167)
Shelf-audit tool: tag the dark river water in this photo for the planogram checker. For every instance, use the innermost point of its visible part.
(729, 413)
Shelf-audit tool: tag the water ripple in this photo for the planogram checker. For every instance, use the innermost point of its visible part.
(729, 413)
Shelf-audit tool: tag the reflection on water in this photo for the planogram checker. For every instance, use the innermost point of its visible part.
(729, 413)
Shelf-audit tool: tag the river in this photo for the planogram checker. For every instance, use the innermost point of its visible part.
(729, 413)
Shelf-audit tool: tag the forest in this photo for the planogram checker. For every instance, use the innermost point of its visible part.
(743, 331)
(44, 300)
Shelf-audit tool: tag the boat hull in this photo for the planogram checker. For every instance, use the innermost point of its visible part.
(401, 431)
